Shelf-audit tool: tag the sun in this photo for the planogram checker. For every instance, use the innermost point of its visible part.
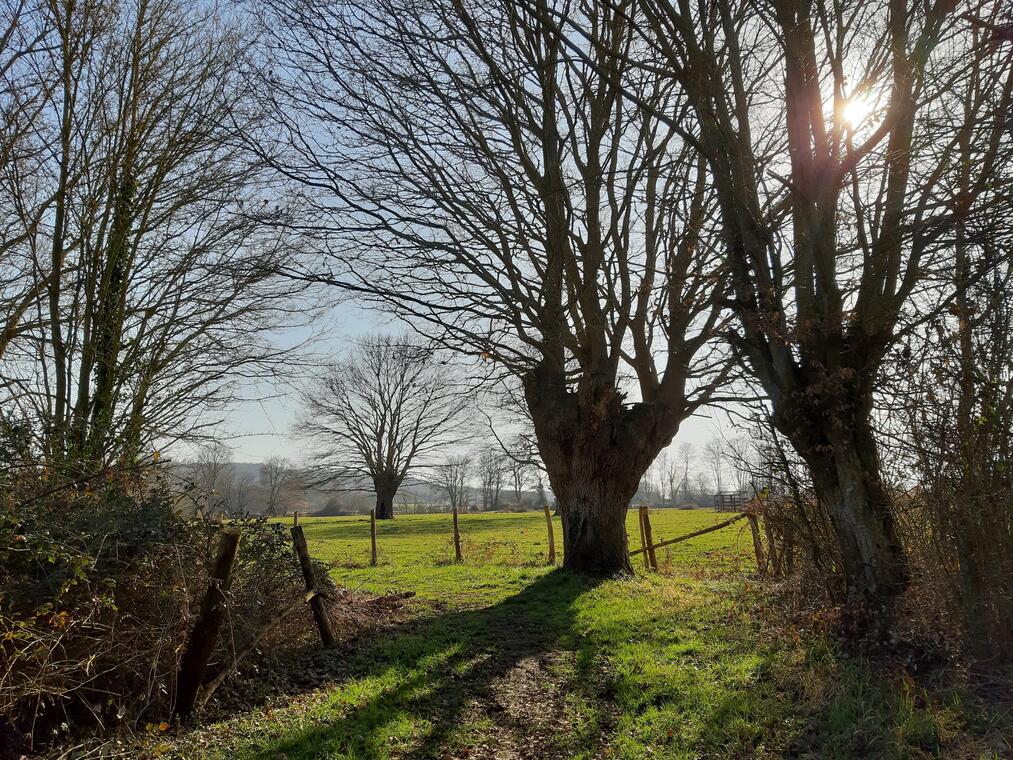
(855, 110)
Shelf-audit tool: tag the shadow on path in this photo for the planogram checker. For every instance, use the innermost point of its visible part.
(416, 686)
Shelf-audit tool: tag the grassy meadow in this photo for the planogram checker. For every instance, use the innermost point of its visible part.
(503, 656)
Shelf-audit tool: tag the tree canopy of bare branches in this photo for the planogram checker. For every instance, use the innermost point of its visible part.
(135, 260)
(831, 134)
(464, 168)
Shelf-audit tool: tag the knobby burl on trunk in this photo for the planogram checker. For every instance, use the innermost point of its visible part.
(596, 449)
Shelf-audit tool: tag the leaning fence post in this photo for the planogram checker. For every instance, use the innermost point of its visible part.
(648, 536)
(754, 528)
(317, 602)
(552, 537)
(457, 539)
(643, 539)
(372, 537)
(205, 632)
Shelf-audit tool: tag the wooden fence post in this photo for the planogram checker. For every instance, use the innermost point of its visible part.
(643, 538)
(688, 536)
(205, 632)
(789, 549)
(316, 603)
(773, 551)
(372, 537)
(649, 538)
(552, 537)
(754, 528)
(458, 557)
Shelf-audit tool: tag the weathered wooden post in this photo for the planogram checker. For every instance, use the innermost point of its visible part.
(789, 549)
(754, 528)
(458, 556)
(205, 632)
(372, 537)
(552, 537)
(295, 517)
(643, 539)
(649, 538)
(316, 603)
(774, 552)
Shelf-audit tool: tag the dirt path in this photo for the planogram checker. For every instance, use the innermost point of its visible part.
(520, 713)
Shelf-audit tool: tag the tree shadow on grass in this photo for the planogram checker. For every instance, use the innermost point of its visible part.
(409, 689)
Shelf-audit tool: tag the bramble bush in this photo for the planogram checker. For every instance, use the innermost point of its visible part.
(100, 581)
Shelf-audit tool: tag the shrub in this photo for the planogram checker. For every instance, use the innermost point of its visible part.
(99, 585)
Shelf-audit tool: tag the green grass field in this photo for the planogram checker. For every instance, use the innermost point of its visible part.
(505, 657)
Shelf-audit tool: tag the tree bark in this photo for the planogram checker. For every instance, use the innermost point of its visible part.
(827, 418)
(595, 451)
(847, 482)
(385, 502)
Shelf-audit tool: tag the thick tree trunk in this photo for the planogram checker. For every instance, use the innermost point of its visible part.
(847, 482)
(385, 507)
(594, 531)
(595, 451)
(385, 504)
(828, 421)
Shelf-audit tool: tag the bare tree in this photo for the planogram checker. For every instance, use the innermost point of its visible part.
(519, 467)
(139, 224)
(212, 474)
(460, 164)
(453, 477)
(714, 455)
(835, 209)
(382, 412)
(28, 34)
(492, 471)
(277, 475)
(240, 492)
(686, 458)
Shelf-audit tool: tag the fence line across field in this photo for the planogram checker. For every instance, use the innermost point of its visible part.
(651, 547)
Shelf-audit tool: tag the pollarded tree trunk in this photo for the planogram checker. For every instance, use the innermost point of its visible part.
(595, 504)
(846, 479)
(595, 451)
(385, 493)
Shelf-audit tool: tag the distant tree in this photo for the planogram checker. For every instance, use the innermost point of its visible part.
(277, 474)
(685, 456)
(714, 456)
(671, 475)
(453, 477)
(702, 486)
(519, 470)
(492, 470)
(239, 493)
(385, 410)
(212, 473)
